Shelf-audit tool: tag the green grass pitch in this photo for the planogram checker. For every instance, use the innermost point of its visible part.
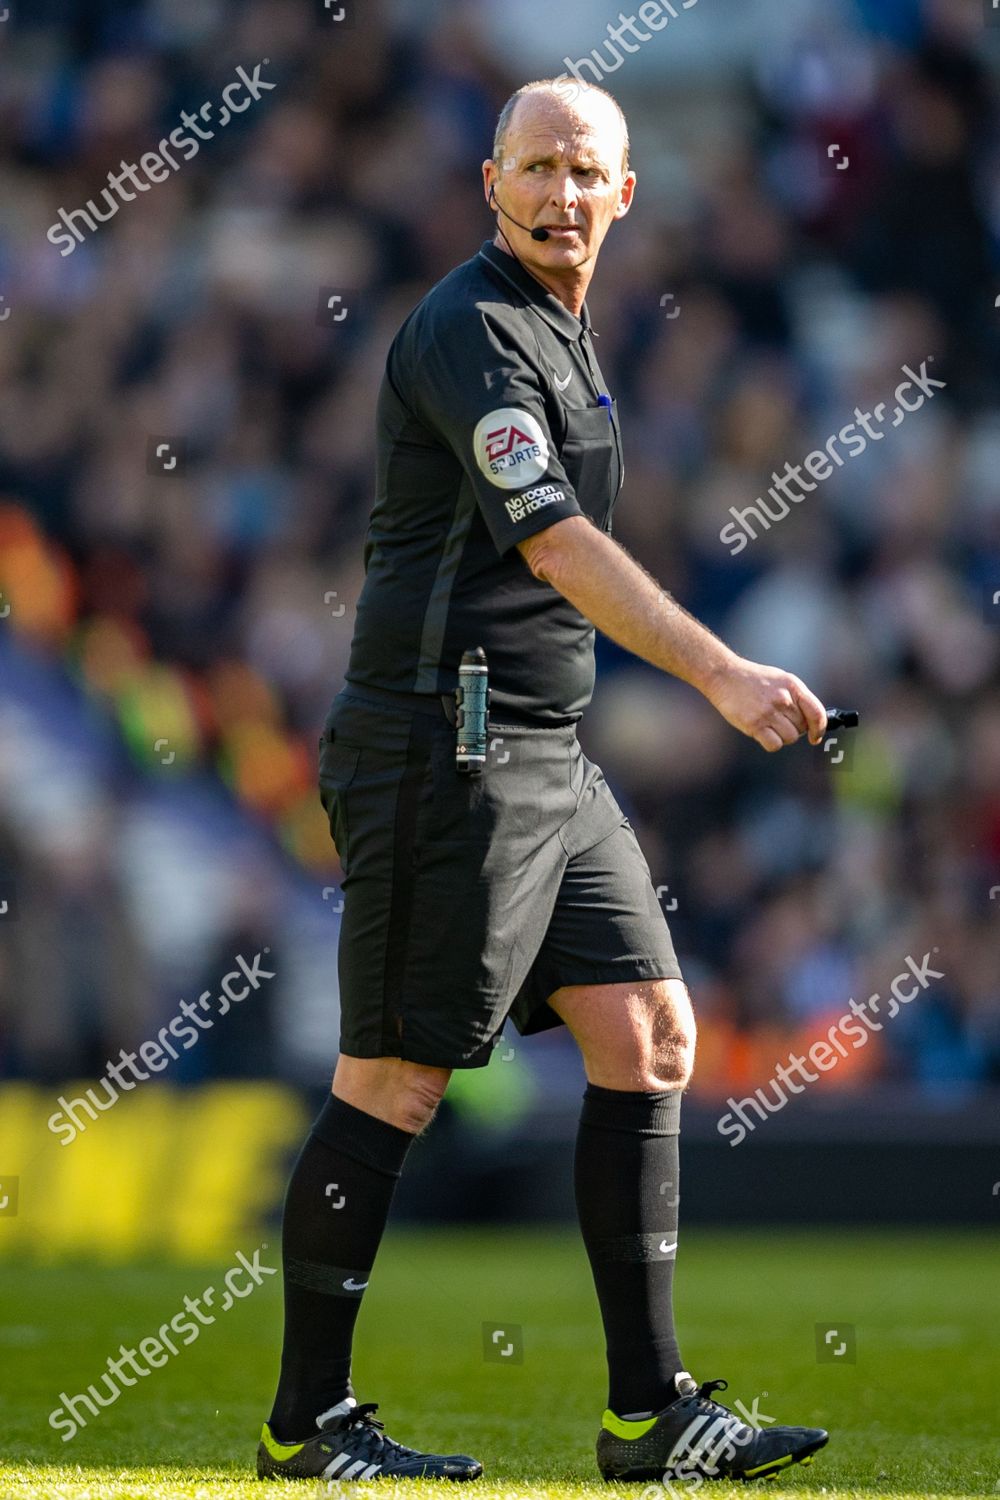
(915, 1415)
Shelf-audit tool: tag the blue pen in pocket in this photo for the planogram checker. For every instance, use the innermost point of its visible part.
(605, 401)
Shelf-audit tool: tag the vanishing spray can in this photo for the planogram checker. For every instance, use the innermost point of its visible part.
(472, 698)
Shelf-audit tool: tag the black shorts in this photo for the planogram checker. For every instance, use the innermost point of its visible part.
(468, 899)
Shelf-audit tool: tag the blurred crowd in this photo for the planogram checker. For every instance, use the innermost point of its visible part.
(758, 293)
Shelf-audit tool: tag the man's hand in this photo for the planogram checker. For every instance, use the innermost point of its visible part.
(771, 706)
(616, 594)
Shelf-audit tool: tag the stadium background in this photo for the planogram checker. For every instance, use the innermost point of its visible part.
(170, 639)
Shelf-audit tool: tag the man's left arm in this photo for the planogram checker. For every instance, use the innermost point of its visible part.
(621, 599)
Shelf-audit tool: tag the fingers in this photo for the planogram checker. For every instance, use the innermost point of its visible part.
(797, 712)
(769, 738)
(784, 723)
(811, 710)
(789, 710)
(789, 726)
(778, 733)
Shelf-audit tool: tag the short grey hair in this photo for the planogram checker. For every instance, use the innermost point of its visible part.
(567, 90)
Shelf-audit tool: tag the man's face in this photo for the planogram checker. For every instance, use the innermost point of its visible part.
(562, 167)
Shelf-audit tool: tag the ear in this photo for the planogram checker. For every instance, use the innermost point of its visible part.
(627, 193)
(488, 166)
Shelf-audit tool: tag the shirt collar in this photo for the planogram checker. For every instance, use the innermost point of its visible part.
(545, 303)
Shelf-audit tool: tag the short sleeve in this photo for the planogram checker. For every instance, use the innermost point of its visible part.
(483, 397)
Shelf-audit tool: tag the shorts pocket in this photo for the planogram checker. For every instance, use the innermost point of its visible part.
(338, 763)
(458, 801)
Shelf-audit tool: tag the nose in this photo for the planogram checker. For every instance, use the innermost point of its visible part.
(564, 195)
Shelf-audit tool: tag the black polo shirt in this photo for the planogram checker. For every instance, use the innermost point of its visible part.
(489, 428)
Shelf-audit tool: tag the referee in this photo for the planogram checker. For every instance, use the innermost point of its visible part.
(521, 892)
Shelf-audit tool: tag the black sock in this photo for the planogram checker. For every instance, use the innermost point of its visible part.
(336, 1209)
(625, 1178)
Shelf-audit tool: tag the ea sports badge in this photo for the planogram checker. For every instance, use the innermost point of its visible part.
(510, 447)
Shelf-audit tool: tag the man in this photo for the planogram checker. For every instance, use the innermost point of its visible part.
(523, 891)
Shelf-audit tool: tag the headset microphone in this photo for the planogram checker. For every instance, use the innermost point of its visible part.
(536, 234)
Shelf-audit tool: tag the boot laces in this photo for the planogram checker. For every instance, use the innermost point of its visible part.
(369, 1438)
(704, 1395)
(708, 1386)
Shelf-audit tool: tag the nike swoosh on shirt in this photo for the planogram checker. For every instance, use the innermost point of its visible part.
(351, 1285)
(562, 384)
(665, 1248)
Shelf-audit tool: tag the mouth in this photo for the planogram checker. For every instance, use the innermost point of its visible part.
(561, 229)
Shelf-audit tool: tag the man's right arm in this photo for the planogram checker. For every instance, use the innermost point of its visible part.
(620, 598)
